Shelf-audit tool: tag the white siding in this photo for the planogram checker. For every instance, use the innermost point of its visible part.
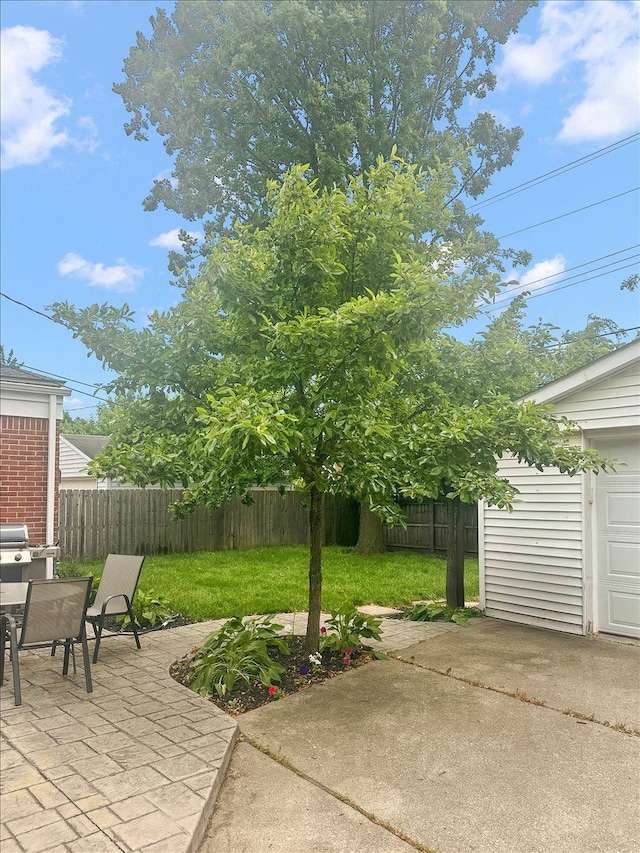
(72, 462)
(532, 557)
(613, 402)
(538, 564)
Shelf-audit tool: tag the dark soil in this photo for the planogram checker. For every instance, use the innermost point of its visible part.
(246, 698)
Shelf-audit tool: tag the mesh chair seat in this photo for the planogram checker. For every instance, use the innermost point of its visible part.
(115, 593)
(54, 612)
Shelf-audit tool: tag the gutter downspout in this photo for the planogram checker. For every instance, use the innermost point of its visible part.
(51, 479)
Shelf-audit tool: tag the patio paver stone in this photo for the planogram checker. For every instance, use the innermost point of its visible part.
(135, 766)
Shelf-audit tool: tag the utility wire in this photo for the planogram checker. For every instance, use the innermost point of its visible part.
(554, 289)
(592, 337)
(586, 264)
(95, 385)
(547, 176)
(527, 286)
(569, 213)
(28, 307)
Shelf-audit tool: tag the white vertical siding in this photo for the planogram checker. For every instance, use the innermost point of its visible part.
(533, 557)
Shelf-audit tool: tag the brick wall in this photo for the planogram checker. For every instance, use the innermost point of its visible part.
(23, 474)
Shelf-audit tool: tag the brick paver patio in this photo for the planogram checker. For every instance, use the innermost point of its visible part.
(133, 767)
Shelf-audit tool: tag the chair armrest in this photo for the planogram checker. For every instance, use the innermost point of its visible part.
(103, 610)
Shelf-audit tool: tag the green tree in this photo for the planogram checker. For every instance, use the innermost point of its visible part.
(9, 358)
(241, 91)
(311, 385)
(513, 359)
(100, 424)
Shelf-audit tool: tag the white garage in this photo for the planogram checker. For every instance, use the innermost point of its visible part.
(568, 556)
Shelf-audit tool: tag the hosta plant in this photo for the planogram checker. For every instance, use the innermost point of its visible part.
(149, 611)
(240, 650)
(433, 611)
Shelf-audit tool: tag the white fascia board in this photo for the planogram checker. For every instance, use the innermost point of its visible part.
(22, 399)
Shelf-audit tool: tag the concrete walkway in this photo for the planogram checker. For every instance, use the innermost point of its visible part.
(133, 767)
(464, 740)
(495, 738)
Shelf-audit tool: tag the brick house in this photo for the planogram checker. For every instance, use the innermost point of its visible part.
(30, 416)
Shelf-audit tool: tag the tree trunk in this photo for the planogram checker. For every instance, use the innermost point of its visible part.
(455, 553)
(316, 534)
(370, 532)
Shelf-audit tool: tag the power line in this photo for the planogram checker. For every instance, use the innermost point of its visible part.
(569, 213)
(66, 378)
(547, 176)
(524, 287)
(28, 307)
(552, 288)
(585, 264)
(592, 337)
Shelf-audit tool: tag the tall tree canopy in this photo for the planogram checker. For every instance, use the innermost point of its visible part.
(513, 359)
(240, 90)
(287, 368)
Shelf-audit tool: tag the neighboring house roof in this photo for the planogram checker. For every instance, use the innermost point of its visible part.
(88, 445)
(25, 377)
(607, 365)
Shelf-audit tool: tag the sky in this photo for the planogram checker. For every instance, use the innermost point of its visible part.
(73, 182)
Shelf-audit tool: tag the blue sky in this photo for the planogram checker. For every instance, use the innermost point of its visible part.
(73, 182)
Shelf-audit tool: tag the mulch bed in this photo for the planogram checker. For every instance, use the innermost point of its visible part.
(243, 698)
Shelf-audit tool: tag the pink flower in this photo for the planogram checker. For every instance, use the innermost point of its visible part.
(272, 690)
(323, 630)
(346, 660)
(347, 651)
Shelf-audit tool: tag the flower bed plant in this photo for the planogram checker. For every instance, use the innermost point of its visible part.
(247, 663)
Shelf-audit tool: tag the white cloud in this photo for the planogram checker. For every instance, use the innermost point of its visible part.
(121, 277)
(171, 240)
(592, 44)
(30, 111)
(72, 403)
(542, 274)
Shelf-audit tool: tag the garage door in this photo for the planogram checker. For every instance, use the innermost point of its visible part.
(618, 540)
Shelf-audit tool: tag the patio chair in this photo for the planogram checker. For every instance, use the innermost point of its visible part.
(54, 612)
(115, 594)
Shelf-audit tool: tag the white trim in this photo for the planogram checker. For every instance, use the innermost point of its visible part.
(481, 507)
(51, 479)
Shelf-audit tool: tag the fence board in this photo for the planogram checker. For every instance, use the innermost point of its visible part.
(94, 523)
(426, 528)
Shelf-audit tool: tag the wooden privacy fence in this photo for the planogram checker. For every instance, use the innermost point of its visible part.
(94, 523)
(426, 528)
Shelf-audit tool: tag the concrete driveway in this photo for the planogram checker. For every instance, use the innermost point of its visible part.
(495, 738)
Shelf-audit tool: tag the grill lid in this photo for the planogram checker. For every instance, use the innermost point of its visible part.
(13, 535)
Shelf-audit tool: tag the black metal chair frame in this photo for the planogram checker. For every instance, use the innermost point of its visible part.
(9, 625)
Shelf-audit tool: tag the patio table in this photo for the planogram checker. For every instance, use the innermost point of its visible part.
(12, 595)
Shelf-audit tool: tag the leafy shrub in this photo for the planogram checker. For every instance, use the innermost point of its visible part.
(149, 611)
(347, 628)
(238, 650)
(435, 611)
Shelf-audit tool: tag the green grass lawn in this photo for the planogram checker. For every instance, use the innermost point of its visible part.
(210, 585)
